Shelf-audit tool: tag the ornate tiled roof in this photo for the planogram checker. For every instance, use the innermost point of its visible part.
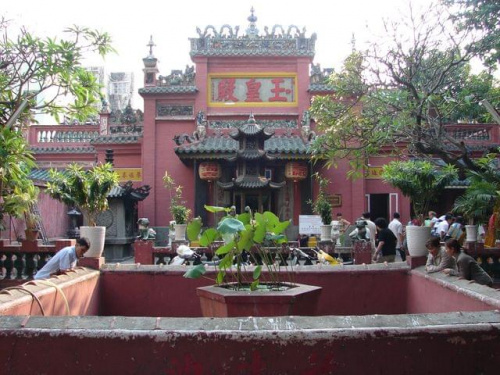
(320, 88)
(251, 182)
(275, 42)
(64, 149)
(224, 146)
(122, 138)
(168, 90)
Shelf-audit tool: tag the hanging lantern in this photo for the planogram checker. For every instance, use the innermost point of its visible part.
(209, 171)
(296, 171)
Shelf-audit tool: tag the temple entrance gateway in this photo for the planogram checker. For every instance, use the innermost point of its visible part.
(258, 201)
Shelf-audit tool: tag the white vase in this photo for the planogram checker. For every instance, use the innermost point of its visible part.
(180, 232)
(96, 236)
(326, 232)
(471, 231)
(416, 237)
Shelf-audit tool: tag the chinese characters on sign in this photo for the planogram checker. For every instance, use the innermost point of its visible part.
(252, 89)
(129, 174)
(374, 173)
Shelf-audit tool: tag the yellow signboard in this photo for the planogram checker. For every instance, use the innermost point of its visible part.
(129, 174)
(374, 173)
(250, 89)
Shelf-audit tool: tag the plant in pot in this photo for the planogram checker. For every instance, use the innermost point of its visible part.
(180, 213)
(243, 289)
(88, 190)
(21, 204)
(322, 207)
(422, 182)
(476, 204)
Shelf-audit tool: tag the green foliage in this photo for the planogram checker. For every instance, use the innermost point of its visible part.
(16, 162)
(403, 91)
(321, 206)
(178, 209)
(32, 67)
(421, 181)
(480, 17)
(85, 189)
(241, 233)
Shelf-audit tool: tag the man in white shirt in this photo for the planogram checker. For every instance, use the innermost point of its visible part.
(64, 260)
(397, 228)
(443, 226)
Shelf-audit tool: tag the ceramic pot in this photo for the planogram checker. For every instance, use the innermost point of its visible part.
(96, 236)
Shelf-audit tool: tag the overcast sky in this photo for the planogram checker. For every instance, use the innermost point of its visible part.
(171, 23)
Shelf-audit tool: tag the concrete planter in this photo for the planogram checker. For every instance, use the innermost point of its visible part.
(326, 232)
(218, 301)
(471, 232)
(416, 238)
(96, 236)
(180, 232)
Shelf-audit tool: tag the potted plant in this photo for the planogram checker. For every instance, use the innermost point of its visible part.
(422, 182)
(476, 204)
(239, 292)
(88, 190)
(180, 213)
(21, 204)
(322, 207)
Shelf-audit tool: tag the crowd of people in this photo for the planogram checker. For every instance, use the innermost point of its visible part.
(445, 245)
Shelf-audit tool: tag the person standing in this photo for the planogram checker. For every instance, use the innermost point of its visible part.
(467, 267)
(372, 227)
(64, 260)
(386, 248)
(397, 228)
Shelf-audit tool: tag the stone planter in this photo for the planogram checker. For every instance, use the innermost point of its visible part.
(96, 236)
(180, 232)
(326, 232)
(217, 301)
(471, 231)
(416, 237)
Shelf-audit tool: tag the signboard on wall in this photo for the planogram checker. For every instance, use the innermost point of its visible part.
(374, 173)
(250, 89)
(309, 224)
(129, 174)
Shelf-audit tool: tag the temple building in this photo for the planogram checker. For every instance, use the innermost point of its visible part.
(232, 129)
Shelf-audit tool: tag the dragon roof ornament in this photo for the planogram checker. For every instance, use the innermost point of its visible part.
(277, 42)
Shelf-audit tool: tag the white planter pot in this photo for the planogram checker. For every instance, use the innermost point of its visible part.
(180, 232)
(471, 231)
(326, 232)
(96, 236)
(416, 237)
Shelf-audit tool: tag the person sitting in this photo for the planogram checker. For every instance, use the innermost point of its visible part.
(467, 267)
(438, 259)
(64, 260)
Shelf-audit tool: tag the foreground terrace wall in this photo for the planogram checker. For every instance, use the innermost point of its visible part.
(461, 343)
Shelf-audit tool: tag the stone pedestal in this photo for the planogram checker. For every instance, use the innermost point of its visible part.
(362, 252)
(94, 263)
(143, 252)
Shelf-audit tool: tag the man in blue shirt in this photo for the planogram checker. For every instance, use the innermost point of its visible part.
(64, 260)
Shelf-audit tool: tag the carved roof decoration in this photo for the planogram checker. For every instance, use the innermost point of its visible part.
(250, 182)
(126, 190)
(169, 90)
(277, 42)
(251, 129)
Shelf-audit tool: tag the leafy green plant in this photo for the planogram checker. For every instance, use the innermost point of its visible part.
(85, 189)
(178, 209)
(321, 205)
(255, 235)
(421, 181)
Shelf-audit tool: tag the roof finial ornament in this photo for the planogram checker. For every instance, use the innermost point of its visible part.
(151, 45)
(252, 30)
(251, 118)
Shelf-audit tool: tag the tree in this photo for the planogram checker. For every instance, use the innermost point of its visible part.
(403, 90)
(481, 17)
(42, 70)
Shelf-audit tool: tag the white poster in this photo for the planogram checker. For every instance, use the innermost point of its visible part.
(309, 224)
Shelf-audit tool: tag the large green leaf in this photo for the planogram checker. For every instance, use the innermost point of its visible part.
(208, 236)
(193, 229)
(225, 248)
(195, 272)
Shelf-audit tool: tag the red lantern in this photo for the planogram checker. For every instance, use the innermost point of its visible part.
(209, 171)
(296, 171)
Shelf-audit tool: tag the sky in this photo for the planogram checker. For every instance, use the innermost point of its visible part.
(172, 23)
